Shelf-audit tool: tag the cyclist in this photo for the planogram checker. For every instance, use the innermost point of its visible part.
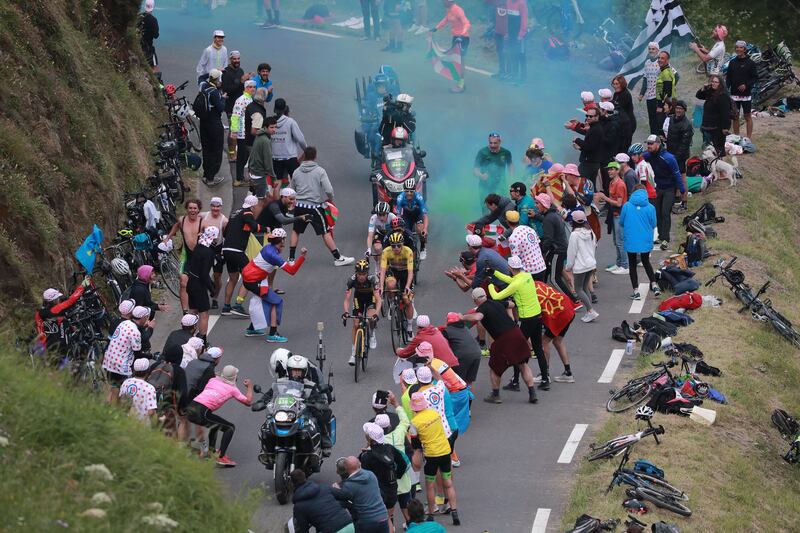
(412, 209)
(398, 262)
(380, 225)
(366, 300)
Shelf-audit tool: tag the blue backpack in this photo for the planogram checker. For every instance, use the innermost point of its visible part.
(643, 466)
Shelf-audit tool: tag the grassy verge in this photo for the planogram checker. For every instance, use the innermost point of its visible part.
(54, 432)
(732, 470)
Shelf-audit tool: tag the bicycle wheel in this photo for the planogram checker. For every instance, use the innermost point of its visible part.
(664, 501)
(784, 327)
(169, 267)
(608, 451)
(700, 69)
(359, 345)
(365, 355)
(192, 134)
(396, 327)
(628, 396)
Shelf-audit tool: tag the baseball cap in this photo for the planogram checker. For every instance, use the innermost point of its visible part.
(219, 33)
(478, 292)
(214, 74)
(149, 6)
(126, 307)
(189, 319)
(681, 103)
(613, 164)
(512, 216)
(409, 376)
(605, 93)
(652, 138)
(140, 311)
(423, 321)
(215, 352)
(288, 191)
(579, 217)
(587, 96)
(622, 158)
(235, 53)
(51, 294)
(141, 365)
(383, 420)
(474, 241)
(374, 432)
(607, 106)
(250, 201)
(424, 374)
(250, 83)
(216, 200)
(453, 318)
(466, 256)
(515, 262)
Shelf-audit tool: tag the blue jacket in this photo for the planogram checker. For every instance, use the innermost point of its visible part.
(315, 506)
(362, 489)
(638, 219)
(665, 168)
(488, 258)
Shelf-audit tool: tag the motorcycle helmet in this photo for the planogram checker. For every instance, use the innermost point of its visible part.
(362, 266)
(396, 239)
(405, 98)
(277, 362)
(382, 208)
(120, 267)
(632, 505)
(410, 184)
(644, 412)
(400, 134)
(636, 149)
(297, 362)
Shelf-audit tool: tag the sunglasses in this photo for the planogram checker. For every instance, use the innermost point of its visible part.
(397, 246)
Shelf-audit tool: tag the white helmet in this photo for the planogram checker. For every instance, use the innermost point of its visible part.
(405, 98)
(279, 357)
(644, 412)
(297, 362)
(183, 110)
(278, 233)
(120, 267)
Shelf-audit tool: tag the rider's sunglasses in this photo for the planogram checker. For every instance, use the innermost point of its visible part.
(397, 246)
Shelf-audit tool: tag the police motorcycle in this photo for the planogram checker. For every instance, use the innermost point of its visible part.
(372, 94)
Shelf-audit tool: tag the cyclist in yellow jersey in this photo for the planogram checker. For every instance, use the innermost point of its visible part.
(397, 272)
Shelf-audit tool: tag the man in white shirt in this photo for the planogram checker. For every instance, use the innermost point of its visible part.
(125, 344)
(141, 394)
(715, 57)
(214, 56)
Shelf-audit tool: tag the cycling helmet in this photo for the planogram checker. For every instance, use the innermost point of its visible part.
(297, 362)
(278, 360)
(644, 412)
(170, 89)
(396, 238)
(405, 98)
(400, 134)
(397, 223)
(632, 505)
(278, 233)
(120, 267)
(382, 208)
(636, 149)
(410, 184)
(362, 266)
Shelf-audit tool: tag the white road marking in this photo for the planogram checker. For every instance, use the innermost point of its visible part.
(312, 32)
(572, 443)
(611, 366)
(478, 71)
(212, 321)
(540, 520)
(638, 305)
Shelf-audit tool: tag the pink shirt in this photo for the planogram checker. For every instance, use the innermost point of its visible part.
(217, 392)
(441, 348)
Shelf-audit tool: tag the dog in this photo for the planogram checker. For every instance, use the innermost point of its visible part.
(720, 169)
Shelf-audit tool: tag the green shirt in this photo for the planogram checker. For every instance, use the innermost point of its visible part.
(523, 289)
(666, 84)
(494, 164)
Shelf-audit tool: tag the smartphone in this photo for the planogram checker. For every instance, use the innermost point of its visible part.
(382, 397)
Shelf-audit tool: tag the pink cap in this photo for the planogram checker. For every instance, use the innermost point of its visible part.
(571, 169)
(545, 200)
(145, 273)
(453, 318)
(557, 168)
(418, 402)
(425, 349)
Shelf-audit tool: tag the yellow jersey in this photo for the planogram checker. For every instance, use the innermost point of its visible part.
(402, 260)
(428, 426)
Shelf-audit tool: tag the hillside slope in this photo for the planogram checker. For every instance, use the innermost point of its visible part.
(77, 118)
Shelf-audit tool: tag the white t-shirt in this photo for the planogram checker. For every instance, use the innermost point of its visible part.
(119, 354)
(717, 54)
(142, 394)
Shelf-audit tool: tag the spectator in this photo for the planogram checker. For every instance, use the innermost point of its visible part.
(581, 261)
(556, 319)
(392, 11)
(262, 80)
(215, 56)
(591, 147)
(233, 79)
(497, 206)
(288, 142)
(648, 90)
(191, 350)
(254, 115)
(524, 204)
(538, 165)
(199, 371)
(141, 394)
(172, 346)
(459, 28)
(464, 347)
(623, 103)
(387, 463)
(463, 275)
(667, 178)
(395, 429)
(148, 29)
(612, 130)
(554, 242)
(517, 29)
(212, 132)
(644, 172)
(140, 290)
(417, 522)
(431, 334)
(360, 487)
(238, 130)
(491, 164)
(583, 191)
(501, 38)
(214, 217)
(273, 9)
(665, 87)
(125, 346)
(315, 506)
(638, 218)
(369, 9)
(484, 258)
(716, 113)
(742, 75)
(679, 142)
(616, 198)
(524, 243)
(627, 173)
(200, 285)
(715, 57)
(262, 172)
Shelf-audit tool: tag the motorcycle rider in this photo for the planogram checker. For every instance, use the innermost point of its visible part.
(398, 114)
(412, 209)
(316, 400)
(278, 362)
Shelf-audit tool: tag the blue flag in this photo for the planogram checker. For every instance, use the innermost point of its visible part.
(88, 251)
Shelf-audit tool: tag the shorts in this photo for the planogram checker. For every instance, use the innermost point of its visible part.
(464, 45)
(284, 168)
(404, 499)
(186, 257)
(258, 186)
(433, 465)
(198, 295)
(316, 217)
(468, 369)
(115, 379)
(416, 444)
(563, 331)
(412, 218)
(219, 261)
(365, 303)
(745, 105)
(510, 349)
(389, 496)
(235, 260)
(400, 276)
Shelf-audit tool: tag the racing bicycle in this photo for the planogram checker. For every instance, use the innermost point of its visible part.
(623, 443)
(397, 318)
(361, 342)
(636, 390)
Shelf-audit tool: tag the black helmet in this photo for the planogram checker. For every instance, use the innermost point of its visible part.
(362, 266)
(410, 184)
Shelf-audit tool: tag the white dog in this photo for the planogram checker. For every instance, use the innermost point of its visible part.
(721, 169)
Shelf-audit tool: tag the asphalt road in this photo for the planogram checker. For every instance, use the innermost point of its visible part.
(511, 453)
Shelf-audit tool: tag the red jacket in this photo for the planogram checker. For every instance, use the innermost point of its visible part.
(441, 348)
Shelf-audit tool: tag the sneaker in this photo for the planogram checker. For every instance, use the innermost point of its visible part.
(429, 518)
(611, 268)
(484, 352)
(413, 28)
(423, 255)
(250, 332)
(576, 306)
(203, 447)
(352, 360)
(545, 385)
(511, 386)
(493, 399)
(226, 461)
(538, 378)
(226, 310)
(457, 90)
(636, 296)
(656, 290)
(532, 397)
(276, 338)
(564, 378)
(664, 245)
(373, 342)
(343, 261)
(214, 304)
(621, 271)
(444, 508)
(590, 316)
(238, 310)
(454, 460)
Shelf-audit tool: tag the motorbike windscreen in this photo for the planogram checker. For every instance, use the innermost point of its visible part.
(398, 160)
(285, 393)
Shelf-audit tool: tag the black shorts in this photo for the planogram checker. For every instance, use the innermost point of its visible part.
(401, 276)
(219, 260)
(365, 302)
(198, 295)
(452, 439)
(563, 331)
(115, 379)
(745, 105)
(389, 495)
(284, 168)
(258, 187)
(416, 444)
(235, 260)
(468, 369)
(316, 217)
(404, 499)
(437, 464)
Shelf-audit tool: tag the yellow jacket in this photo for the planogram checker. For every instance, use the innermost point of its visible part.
(523, 289)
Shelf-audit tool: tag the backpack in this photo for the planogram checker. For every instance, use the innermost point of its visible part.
(646, 467)
(687, 300)
(695, 248)
(707, 370)
(677, 318)
(161, 378)
(705, 215)
(658, 326)
(201, 105)
(589, 524)
(787, 425)
(697, 167)
(688, 349)
(651, 342)
(390, 470)
(667, 400)
(663, 527)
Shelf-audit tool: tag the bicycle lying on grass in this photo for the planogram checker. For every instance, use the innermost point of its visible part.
(638, 389)
(623, 443)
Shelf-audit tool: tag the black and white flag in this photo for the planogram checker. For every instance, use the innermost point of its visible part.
(664, 23)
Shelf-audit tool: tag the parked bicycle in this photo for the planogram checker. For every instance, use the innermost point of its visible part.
(637, 389)
(623, 443)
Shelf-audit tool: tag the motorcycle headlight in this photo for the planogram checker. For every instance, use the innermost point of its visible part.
(281, 416)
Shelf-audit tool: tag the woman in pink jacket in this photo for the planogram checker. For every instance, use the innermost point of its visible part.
(431, 334)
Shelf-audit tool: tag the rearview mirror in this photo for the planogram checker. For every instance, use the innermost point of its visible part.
(257, 389)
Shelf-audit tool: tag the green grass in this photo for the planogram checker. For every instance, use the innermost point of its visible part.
(54, 431)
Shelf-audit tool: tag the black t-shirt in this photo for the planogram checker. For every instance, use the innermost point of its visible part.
(495, 319)
(173, 351)
(362, 290)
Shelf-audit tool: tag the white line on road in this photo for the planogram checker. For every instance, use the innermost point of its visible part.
(572, 443)
(611, 366)
(212, 321)
(540, 520)
(478, 71)
(638, 305)
(312, 32)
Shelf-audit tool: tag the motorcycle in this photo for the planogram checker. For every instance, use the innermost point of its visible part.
(394, 167)
(369, 106)
(290, 437)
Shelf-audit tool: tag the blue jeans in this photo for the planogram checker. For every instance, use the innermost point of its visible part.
(622, 257)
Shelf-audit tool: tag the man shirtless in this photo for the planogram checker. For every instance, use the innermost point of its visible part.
(190, 227)
(215, 218)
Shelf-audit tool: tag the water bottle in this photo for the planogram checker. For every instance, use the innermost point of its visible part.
(629, 347)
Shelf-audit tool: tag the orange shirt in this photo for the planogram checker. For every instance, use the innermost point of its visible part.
(617, 191)
(459, 24)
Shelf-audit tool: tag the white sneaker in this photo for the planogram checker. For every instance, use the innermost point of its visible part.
(414, 27)
(373, 342)
(538, 378)
(611, 268)
(590, 316)
(352, 360)
(620, 271)
(343, 261)
(423, 255)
